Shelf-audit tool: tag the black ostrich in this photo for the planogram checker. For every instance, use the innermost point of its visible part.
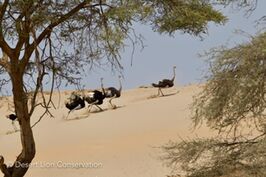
(13, 118)
(112, 92)
(165, 83)
(74, 102)
(95, 97)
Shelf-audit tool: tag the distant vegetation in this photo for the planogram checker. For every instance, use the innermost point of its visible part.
(232, 103)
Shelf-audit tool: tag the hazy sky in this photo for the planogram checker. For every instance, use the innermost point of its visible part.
(162, 52)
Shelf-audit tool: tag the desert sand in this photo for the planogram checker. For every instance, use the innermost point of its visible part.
(120, 142)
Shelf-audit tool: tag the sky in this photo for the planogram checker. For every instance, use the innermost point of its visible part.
(161, 52)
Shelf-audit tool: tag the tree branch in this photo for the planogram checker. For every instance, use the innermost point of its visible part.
(3, 44)
(47, 31)
(20, 27)
(3, 9)
(3, 167)
(4, 62)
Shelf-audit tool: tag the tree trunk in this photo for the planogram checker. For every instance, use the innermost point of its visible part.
(27, 139)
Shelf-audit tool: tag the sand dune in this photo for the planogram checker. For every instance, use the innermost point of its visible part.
(114, 143)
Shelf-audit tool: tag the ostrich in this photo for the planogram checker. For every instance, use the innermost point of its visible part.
(112, 93)
(95, 97)
(13, 118)
(165, 83)
(74, 102)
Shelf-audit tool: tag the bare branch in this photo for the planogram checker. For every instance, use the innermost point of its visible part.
(47, 31)
(4, 62)
(3, 44)
(3, 167)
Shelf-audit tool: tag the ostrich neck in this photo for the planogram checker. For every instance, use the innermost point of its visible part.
(102, 87)
(120, 85)
(174, 74)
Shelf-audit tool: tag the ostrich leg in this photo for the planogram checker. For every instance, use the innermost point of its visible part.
(160, 90)
(110, 102)
(99, 107)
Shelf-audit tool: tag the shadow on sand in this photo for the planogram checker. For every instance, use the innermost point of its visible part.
(11, 132)
(76, 118)
(116, 107)
(85, 116)
(165, 95)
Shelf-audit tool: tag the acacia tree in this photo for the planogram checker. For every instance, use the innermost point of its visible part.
(41, 39)
(232, 103)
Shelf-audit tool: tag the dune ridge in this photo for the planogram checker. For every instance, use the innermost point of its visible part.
(122, 142)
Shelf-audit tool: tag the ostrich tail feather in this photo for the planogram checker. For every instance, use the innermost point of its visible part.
(155, 85)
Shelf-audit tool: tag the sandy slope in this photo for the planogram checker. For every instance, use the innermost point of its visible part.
(119, 143)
